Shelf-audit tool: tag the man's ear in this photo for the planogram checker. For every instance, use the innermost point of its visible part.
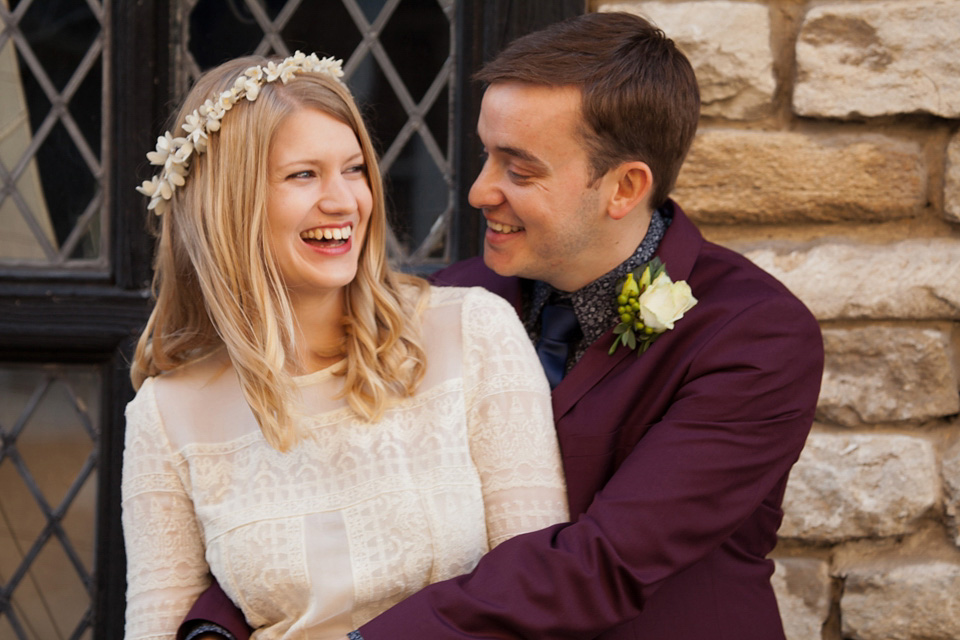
(633, 186)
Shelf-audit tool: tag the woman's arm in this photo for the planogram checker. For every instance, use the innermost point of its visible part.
(512, 437)
(166, 569)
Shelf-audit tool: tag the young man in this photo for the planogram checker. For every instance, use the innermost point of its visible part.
(676, 456)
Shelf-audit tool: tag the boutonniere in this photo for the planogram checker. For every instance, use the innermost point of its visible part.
(649, 303)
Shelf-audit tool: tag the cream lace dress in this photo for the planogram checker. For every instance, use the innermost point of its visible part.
(314, 542)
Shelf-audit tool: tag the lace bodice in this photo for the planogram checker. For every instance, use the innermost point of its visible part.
(313, 542)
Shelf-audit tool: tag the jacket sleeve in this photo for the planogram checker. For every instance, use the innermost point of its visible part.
(213, 607)
(731, 429)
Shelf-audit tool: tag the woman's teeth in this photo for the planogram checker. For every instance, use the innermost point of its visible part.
(336, 233)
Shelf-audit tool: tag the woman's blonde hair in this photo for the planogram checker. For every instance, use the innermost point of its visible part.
(217, 284)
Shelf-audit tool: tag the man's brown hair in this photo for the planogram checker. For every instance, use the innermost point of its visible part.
(640, 95)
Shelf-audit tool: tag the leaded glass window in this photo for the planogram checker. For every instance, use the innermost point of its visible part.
(51, 134)
(49, 417)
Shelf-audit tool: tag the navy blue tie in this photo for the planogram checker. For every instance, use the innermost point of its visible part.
(559, 331)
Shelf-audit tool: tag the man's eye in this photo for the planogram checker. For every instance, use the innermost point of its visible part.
(517, 177)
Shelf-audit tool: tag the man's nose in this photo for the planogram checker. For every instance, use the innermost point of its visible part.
(485, 194)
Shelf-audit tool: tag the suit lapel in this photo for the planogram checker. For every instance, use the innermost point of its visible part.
(586, 374)
(678, 250)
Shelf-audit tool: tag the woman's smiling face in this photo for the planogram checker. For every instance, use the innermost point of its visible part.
(318, 202)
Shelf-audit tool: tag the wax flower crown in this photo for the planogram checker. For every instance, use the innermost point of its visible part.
(173, 154)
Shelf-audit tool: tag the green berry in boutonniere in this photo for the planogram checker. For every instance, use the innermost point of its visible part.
(649, 303)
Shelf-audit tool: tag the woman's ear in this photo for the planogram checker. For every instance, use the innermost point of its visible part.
(633, 186)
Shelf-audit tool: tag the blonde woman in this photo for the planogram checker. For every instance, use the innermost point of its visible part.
(323, 435)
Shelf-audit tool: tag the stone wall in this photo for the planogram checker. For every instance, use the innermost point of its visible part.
(829, 154)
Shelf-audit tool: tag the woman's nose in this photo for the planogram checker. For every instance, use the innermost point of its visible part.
(337, 197)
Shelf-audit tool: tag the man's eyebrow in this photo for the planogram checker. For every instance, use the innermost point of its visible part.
(535, 162)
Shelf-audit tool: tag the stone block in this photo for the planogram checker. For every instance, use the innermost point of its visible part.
(803, 588)
(887, 374)
(950, 469)
(728, 44)
(917, 279)
(951, 196)
(879, 58)
(765, 177)
(847, 486)
(903, 602)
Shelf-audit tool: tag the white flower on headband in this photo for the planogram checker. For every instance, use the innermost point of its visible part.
(173, 154)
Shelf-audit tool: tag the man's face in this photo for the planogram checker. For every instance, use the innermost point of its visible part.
(545, 220)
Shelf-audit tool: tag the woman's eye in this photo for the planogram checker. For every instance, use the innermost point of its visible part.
(357, 169)
(301, 174)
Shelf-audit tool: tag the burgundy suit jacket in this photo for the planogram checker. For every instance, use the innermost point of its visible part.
(676, 464)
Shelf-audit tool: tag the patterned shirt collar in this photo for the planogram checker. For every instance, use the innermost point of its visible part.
(595, 304)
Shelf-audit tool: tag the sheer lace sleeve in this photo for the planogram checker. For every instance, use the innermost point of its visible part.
(166, 570)
(513, 441)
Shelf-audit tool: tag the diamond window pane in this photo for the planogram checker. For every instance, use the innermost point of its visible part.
(88, 120)
(51, 601)
(438, 118)
(382, 110)
(417, 39)
(59, 157)
(51, 134)
(372, 8)
(49, 417)
(59, 33)
(330, 32)
(22, 521)
(417, 183)
(223, 29)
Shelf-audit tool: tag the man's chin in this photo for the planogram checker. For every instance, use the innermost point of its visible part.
(497, 262)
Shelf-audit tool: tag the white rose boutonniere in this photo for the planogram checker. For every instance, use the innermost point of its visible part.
(649, 304)
(664, 302)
